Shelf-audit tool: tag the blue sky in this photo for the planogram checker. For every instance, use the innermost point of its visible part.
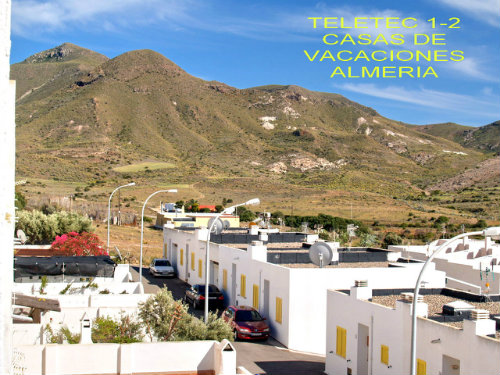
(251, 43)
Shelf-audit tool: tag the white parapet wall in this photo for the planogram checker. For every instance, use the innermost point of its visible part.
(187, 357)
(72, 310)
(470, 265)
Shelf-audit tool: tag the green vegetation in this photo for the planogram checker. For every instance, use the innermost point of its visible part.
(90, 123)
(43, 229)
(107, 330)
(61, 335)
(141, 167)
(168, 320)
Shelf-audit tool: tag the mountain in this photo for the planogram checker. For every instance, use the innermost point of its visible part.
(139, 115)
(53, 68)
(485, 138)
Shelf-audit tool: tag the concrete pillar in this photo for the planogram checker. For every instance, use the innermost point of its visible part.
(225, 358)
(7, 181)
(86, 330)
(257, 251)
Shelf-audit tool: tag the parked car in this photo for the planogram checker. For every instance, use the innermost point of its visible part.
(246, 322)
(161, 267)
(196, 296)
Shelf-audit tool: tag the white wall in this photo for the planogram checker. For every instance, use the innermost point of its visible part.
(302, 290)
(7, 181)
(456, 264)
(72, 310)
(392, 327)
(146, 358)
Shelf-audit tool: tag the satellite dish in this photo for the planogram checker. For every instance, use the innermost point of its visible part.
(218, 226)
(321, 254)
(227, 224)
(22, 236)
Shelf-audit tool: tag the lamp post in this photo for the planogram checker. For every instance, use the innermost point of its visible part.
(228, 210)
(109, 206)
(488, 232)
(142, 224)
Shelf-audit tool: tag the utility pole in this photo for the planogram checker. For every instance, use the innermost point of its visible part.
(119, 208)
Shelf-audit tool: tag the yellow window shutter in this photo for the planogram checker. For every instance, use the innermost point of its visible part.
(279, 310)
(200, 268)
(344, 340)
(255, 296)
(421, 367)
(224, 279)
(384, 354)
(341, 341)
(243, 286)
(182, 257)
(192, 261)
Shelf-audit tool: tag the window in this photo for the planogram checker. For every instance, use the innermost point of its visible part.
(243, 286)
(255, 296)
(279, 310)
(421, 367)
(224, 279)
(181, 257)
(341, 341)
(200, 268)
(384, 354)
(192, 261)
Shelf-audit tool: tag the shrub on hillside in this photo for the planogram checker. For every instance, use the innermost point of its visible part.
(392, 238)
(42, 229)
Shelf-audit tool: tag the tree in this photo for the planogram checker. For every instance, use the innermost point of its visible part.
(245, 214)
(169, 320)
(392, 238)
(85, 244)
(367, 239)
(41, 228)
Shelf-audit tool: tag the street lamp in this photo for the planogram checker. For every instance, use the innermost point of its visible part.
(109, 206)
(142, 224)
(228, 210)
(488, 232)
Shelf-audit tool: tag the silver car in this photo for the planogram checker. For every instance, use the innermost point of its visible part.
(161, 267)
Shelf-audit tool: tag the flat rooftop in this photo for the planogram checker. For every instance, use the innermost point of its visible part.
(435, 303)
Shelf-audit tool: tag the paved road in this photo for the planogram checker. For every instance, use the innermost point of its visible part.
(269, 358)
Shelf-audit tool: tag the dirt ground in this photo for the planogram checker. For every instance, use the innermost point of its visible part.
(128, 241)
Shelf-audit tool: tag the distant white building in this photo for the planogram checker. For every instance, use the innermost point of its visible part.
(374, 337)
(471, 265)
(291, 296)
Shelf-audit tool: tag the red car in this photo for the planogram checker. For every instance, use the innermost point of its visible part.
(246, 322)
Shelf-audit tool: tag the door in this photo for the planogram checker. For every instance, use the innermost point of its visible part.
(186, 274)
(266, 299)
(233, 284)
(214, 273)
(451, 366)
(363, 346)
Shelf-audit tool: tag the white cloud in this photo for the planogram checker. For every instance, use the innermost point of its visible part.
(470, 104)
(30, 17)
(472, 68)
(484, 10)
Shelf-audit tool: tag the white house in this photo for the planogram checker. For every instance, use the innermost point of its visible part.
(374, 337)
(293, 298)
(471, 265)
